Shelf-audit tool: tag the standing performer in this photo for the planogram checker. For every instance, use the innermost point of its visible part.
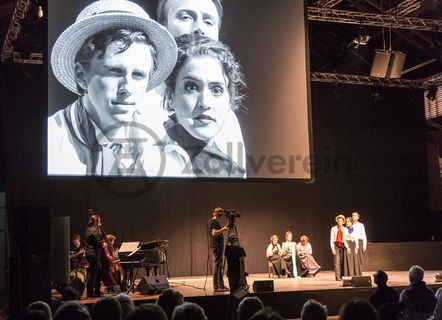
(217, 245)
(94, 250)
(338, 242)
(351, 261)
(361, 237)
(289, 253)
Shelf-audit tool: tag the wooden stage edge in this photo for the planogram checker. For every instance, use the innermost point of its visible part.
(289, 293)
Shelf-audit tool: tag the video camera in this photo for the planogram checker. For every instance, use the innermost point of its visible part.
(231, 214)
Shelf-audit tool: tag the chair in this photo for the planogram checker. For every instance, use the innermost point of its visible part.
(271, 269)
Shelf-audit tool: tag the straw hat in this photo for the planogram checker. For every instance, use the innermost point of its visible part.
(106, 15)
(339, 216)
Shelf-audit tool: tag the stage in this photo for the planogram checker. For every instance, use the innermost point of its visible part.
(289, 293)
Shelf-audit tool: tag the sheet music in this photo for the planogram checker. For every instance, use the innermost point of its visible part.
(129, 247)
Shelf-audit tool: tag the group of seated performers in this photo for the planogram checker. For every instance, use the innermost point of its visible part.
(291, 259)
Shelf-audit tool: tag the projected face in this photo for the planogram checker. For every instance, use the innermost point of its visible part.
(115, 83)
(201, 100)
(192, 16)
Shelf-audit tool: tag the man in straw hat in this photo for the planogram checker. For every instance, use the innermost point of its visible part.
(338, 244)
(110, 57)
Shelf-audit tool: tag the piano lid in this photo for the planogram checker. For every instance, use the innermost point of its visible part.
(154, 244)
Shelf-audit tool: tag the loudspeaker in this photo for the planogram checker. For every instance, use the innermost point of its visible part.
(152, 285)
(60, 250)
(361, 281)
(239, 293)
(387, 64)
(438, 277)
(263, 286)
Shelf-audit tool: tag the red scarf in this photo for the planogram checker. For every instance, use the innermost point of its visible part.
(339, 238)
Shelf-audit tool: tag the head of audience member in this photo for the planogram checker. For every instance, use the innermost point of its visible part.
(41, 306)
(248, 307)
(313, 310)
(303, 240)
(201, 17)
(415, 274)
(126, 303)
(380, 278)
(358, 310)
(438, 293)
(188, 311)
(340, 220)
(36, 315)
(267, 313)
(288, 236)
(274, 239)
(169, 299)
(204, 86)
(355, 217)
(147, 311)
(72, 310)
(348, 222)
(107, 308)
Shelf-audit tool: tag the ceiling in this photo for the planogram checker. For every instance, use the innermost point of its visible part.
(330, 49)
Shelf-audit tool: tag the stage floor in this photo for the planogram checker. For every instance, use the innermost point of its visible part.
(323, 288)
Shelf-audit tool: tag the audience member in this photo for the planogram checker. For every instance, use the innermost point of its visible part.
(147, 311)
(438, 310)
(106, 309)
(248, 307)
(383, 294)
(169, 299)
(72, 310)
(35, 315)
(358, 310)
(267, 313)
(188, 311)
(418, 300)
(41, 306)
(126, 303)
(313, 310)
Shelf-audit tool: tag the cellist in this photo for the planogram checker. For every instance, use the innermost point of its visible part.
(94, 250)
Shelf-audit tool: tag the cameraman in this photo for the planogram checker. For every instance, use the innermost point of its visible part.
(217, 245)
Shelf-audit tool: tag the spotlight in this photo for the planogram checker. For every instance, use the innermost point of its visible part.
(40, 12)
(431, 94)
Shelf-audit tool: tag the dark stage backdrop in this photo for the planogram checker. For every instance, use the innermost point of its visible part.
(380, 171)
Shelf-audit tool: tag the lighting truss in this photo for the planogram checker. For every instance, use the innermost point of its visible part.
(373, 19)
(364, 80)
(327, 3)
(405, 7)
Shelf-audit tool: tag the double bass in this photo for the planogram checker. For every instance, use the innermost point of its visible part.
(111, 271)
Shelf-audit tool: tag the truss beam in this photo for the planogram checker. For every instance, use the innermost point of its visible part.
(373, 19)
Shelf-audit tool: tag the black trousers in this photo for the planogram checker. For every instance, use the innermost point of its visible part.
(339, 262)
(217, 256)
(93, 274)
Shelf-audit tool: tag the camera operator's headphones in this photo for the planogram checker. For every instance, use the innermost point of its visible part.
(219, 212)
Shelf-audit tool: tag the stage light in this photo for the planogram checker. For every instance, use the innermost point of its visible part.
(431, 95)
(40, 12)
(361, 39)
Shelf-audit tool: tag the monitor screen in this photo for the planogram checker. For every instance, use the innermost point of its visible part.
(236, 105)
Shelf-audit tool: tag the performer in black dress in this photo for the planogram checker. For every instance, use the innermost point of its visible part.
(94, 250)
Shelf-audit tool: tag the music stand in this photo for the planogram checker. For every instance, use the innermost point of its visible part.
(130, 248)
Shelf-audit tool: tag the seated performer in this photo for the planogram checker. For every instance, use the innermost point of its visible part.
(289, 253)
(305, 254)
(76, 252)
(273, 253)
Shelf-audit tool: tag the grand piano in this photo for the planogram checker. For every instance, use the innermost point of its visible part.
(150, 255)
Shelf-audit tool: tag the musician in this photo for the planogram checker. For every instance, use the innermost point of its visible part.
(111, 239)
(94, 245)
(273, 253)
(76, 251)
(217, 245)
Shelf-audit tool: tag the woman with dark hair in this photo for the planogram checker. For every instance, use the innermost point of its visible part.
(201, 92)
(94, 250)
